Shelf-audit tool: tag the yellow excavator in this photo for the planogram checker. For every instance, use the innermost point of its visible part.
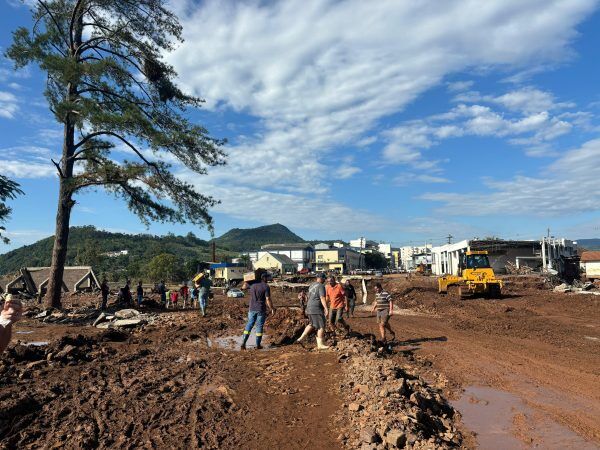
(475, 277)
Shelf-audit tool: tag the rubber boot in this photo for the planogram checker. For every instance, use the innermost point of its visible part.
(320, 345)
(258, 341)
(245, 337)
(304, 334)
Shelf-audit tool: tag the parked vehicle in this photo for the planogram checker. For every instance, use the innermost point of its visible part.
(235, 293)
(378, 274)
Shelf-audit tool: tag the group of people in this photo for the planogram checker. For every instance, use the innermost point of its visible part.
(169, 298)
(323, 304)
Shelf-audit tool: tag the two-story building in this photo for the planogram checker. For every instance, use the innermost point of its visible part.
(303, 255)
(335, 259)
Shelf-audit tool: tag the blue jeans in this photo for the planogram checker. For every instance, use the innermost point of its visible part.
(203, 299)
(140, 299)
(255, 318)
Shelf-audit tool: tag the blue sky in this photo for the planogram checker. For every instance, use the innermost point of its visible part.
(401, 121)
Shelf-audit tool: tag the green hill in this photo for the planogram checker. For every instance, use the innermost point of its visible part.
(87, 246)
(589, 244)
(239, 239)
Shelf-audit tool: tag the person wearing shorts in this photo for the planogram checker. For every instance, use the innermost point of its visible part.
(384, 306)
(336, 296)
(316, 311)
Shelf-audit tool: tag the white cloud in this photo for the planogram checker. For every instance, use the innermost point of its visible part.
(410, 178)
(8, 105)
(321, 75)
(528, 117)
(27, 162)
(568, 186)
(459, 86)
(305, 212)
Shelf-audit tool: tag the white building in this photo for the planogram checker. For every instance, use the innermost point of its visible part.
(116, 254)
(385, 250)
(363, 243)
(445, 258)
(302, 254)
(545, 254)
(407, 252)
(590, 265)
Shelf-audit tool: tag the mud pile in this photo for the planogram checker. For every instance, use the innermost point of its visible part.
(388, 406)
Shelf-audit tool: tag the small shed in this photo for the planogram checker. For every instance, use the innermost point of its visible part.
(590, 264)
(275, 262)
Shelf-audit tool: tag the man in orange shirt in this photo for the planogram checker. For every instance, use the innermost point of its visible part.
(337, 303)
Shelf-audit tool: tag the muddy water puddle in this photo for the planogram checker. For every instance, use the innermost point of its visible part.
(498, 417)
(234, 342)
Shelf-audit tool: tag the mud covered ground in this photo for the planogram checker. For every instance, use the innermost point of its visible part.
(523, 372)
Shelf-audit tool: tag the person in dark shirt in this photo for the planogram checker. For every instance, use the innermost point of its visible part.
(140, 294)
(350, 298)
(105, 290)
(162, 290)
(260, 300)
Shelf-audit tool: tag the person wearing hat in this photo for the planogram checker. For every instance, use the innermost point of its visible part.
(316, 311)
(11, 313)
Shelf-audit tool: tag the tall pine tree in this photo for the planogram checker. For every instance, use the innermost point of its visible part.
(109, 87)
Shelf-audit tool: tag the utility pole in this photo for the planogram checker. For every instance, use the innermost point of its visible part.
(449, 237)
(214, 251)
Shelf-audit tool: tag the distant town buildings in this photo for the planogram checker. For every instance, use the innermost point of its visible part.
(276, 262)
(338, 259)
(116, 254)
(547, 254)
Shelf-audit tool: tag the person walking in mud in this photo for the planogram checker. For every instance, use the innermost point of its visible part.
(139, 293)
(350, 299)
(384, 306)
(203, 293)
(104, 290)
(316, 310)
(260, 301)
(162, 290)
(336, 297)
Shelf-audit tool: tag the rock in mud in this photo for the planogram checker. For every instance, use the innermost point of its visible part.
(101, 318)
(395, 439)
(369, 435)
(128, 323)
(126, 314)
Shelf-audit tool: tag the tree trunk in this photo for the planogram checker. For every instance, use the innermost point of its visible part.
(65, 192)
(59, 252)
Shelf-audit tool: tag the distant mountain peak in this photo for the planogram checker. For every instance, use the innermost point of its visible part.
(246, 239)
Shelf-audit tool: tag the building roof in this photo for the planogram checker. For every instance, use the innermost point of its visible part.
(590, 256)
(36, 277)
(283, 259)
(300, 246)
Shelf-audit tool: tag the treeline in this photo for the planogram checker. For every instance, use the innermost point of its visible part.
(174, 258)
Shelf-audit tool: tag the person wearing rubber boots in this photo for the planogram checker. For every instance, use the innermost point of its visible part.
(316, 311)
(260, 302)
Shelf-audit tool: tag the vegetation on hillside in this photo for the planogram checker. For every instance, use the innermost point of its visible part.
(88, 246)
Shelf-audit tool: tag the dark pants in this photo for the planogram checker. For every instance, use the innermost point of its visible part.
(104, 300)
(351, 305)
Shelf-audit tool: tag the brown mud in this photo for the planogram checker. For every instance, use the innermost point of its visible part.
(170, 384)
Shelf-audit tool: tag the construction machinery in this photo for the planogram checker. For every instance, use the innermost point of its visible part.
(475, 277)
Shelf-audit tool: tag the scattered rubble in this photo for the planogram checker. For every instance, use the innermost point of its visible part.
(389, 406)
